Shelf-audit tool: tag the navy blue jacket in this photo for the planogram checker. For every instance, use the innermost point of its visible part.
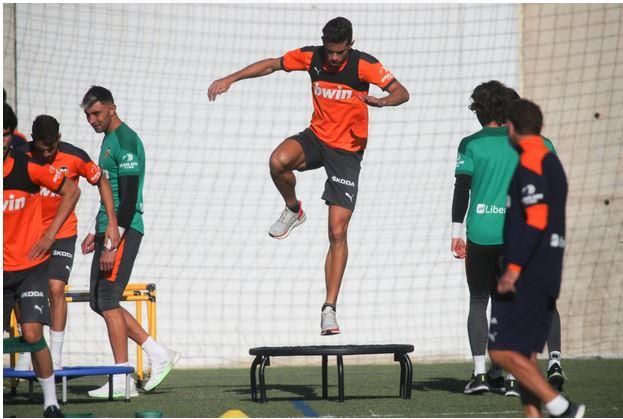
(534, 229)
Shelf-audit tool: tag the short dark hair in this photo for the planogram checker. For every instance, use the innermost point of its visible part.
(337, 30)
(45, 129)
(526, 117)
(490, 101)
(9, 118)
(96, 94)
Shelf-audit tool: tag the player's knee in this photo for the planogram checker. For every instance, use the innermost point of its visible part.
(57, 290)
(279, 161)
(337, 234)
(32, 333)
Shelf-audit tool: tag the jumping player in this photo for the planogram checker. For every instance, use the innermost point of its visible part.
(534, 242)
(336, 139)
(26, 253)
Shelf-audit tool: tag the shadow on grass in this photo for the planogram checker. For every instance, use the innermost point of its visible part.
(449, 384)
(299, 392)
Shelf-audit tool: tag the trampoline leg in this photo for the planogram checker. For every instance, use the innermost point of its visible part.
(127, 388)
(256, 361)
(30, 389)
(403, 372)
(340, 378)
(64, 393)
(263, 365)
(409, 381)
(110, 387)
(325, 386)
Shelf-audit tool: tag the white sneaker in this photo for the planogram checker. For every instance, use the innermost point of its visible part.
(286, 222)
(118, 389)
(24, 362)
(160, 368)
(328, 322)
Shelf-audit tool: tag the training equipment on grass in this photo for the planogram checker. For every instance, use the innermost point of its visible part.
(263, 354)
(234, 414)
(68, 373)
(138, 293)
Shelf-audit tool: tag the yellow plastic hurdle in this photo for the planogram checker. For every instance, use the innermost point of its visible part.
(138, 293)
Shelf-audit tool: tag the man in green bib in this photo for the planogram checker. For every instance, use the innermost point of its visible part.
(485, 164)
(122, 158)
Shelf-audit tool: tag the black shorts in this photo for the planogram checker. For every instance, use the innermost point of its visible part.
(483, 266)
(342, 169)
(106, 288)
(62, 259)
(521, 321)
(29, 289)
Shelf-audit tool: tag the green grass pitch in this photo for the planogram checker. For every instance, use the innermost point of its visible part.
(371, 391)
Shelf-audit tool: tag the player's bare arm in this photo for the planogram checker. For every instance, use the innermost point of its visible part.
(69, 193)
(112, 236)
(258, 69)
(398, 95)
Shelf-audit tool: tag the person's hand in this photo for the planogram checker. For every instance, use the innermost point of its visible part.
(42, 246)
(107, 260)
(372, 101)
(218, 87)
(459, 250)
(112, 238)
(507, 282)
(88, 244)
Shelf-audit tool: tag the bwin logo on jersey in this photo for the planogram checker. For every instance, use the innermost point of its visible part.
(46, 192)
(14, 204)
(343, 181)
(336, 94)
(31, 294)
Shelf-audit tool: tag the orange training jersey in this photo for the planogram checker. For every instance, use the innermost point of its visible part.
(22, 207)
(340, 117)
(73, 162)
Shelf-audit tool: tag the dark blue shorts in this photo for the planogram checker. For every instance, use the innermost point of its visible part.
(520, 322)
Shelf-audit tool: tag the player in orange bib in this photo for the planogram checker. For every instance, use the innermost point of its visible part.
(336, 138)
(26, 247)
(73, 162)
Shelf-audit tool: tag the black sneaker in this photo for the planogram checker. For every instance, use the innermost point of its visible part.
(496, 384)
(555, 376)
(573, 411)
(512, 389)
(53, 412)
(477, 385)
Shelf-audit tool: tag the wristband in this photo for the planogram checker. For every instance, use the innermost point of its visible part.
(456, 230)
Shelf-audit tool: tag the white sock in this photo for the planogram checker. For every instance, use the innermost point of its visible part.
(48, 386)
(153, 348)
(510, 376)
(480, 364)
(557, 406)
(119, 379)
(56, 346)
(554, 358)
